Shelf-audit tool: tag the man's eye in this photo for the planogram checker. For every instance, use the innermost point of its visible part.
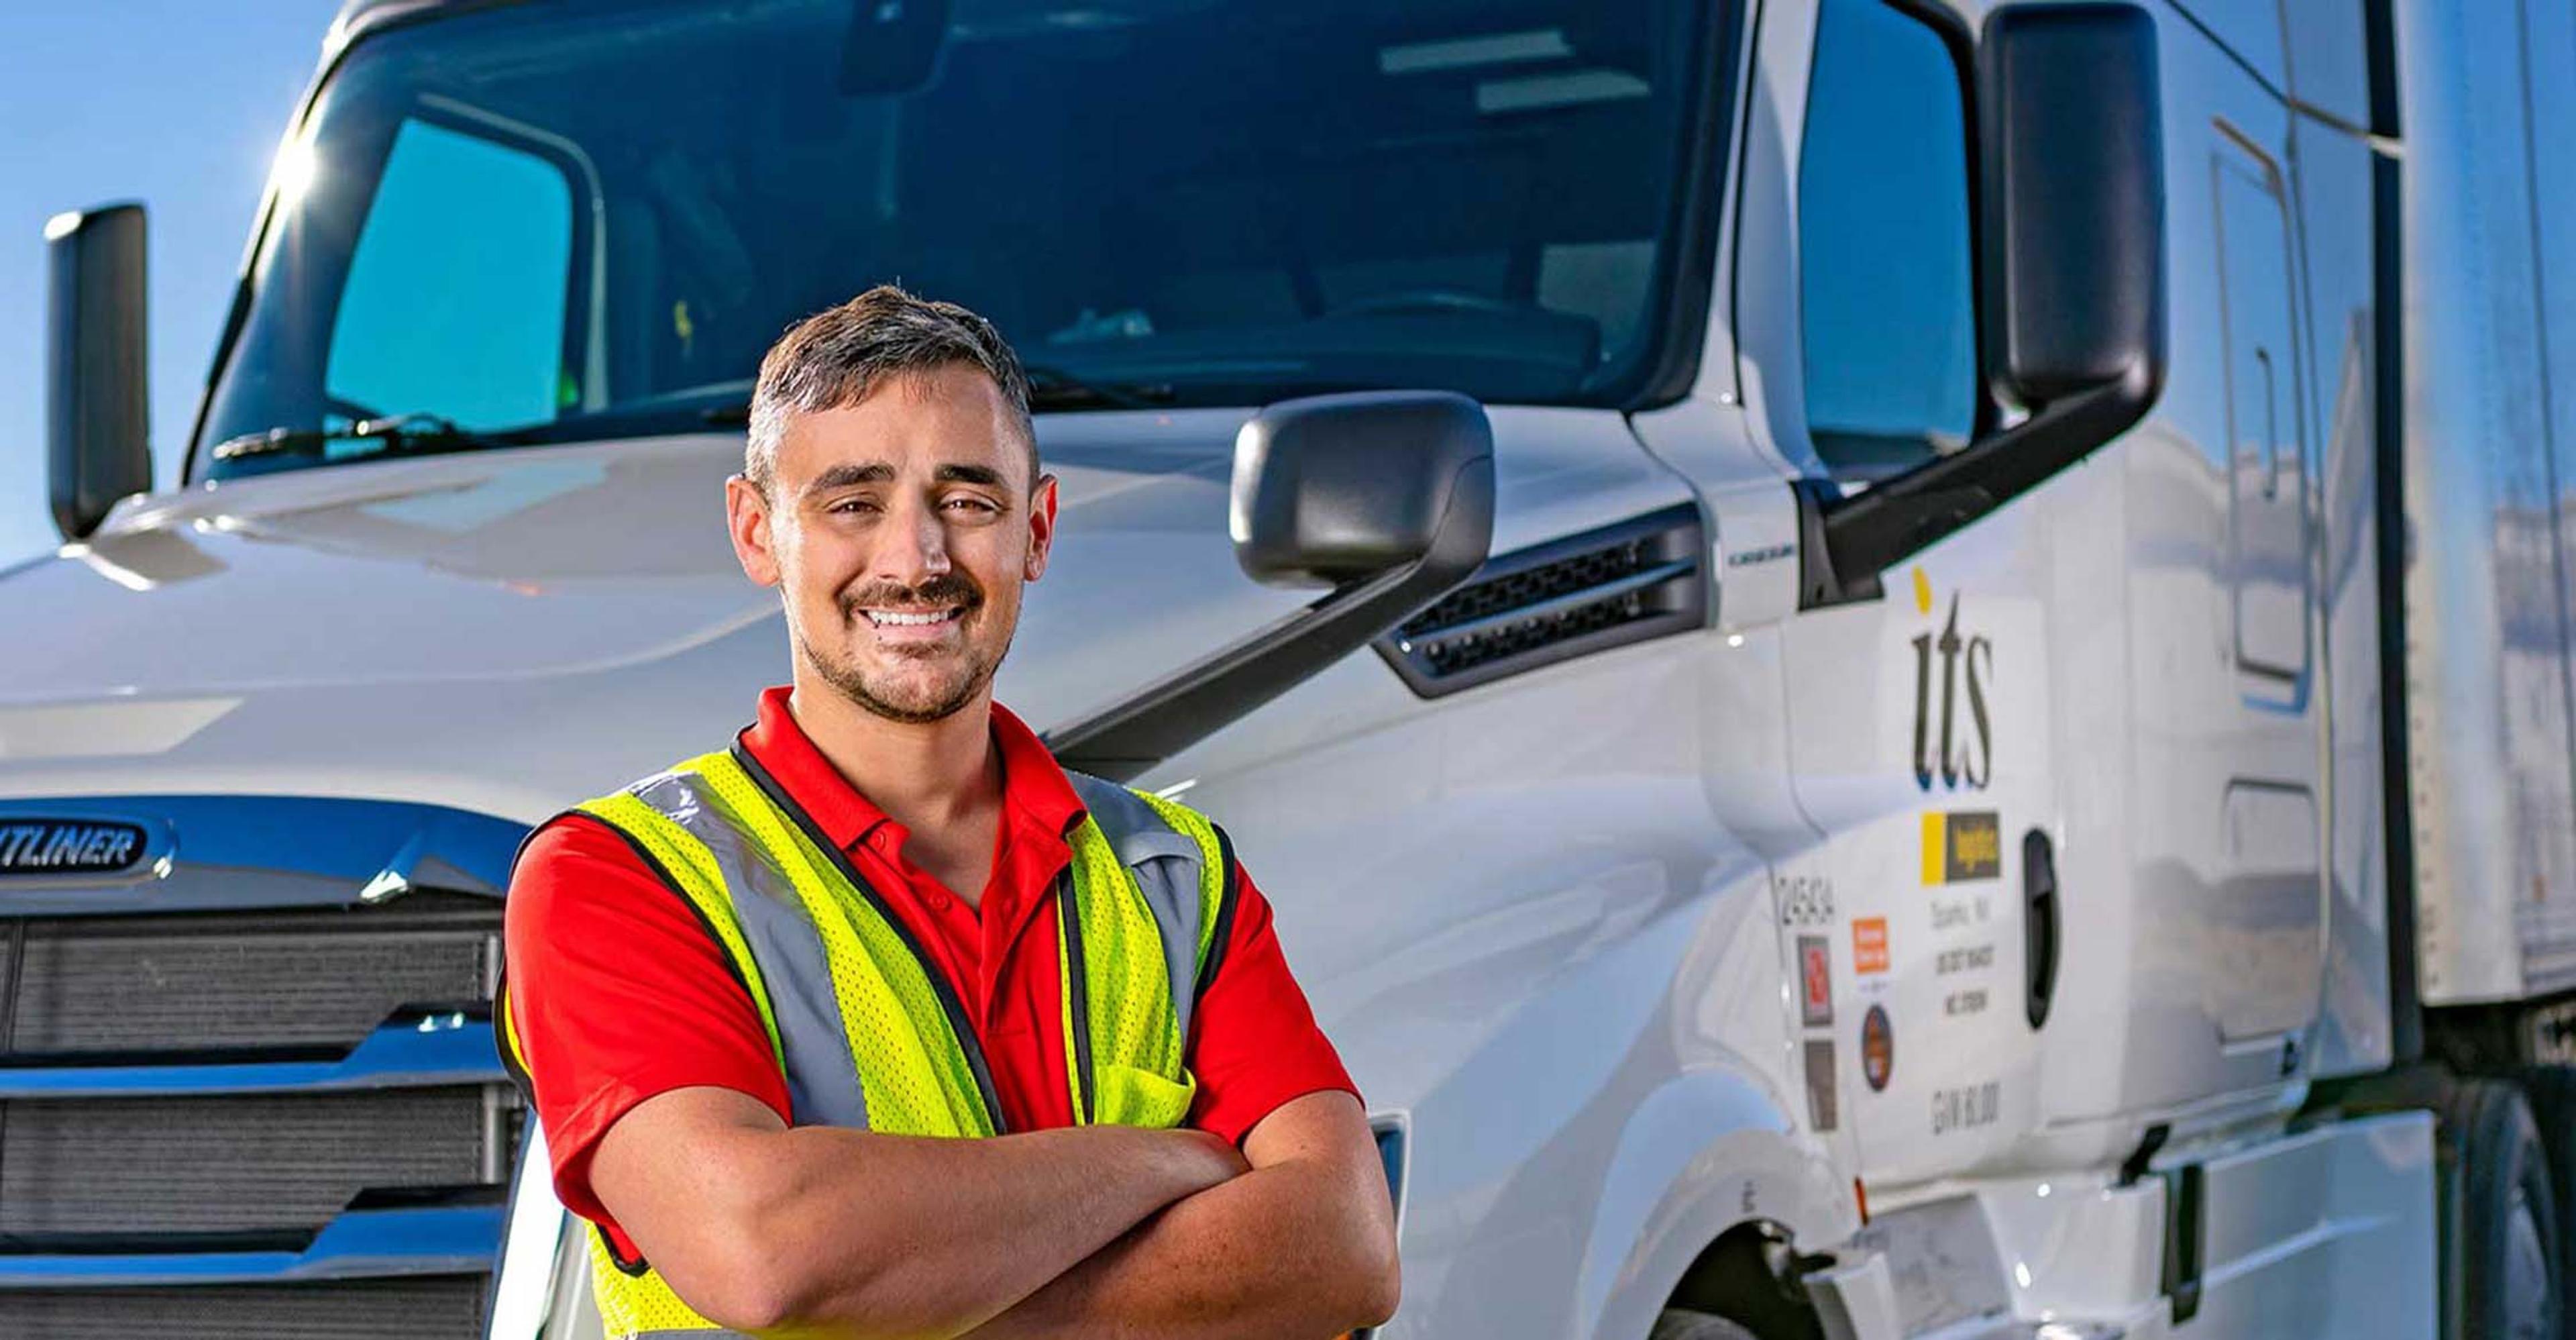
(847, 505)
(972, 504)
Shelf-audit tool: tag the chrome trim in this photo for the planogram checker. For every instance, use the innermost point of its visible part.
(361, 1244)
(440, 1049)
(523, 1283)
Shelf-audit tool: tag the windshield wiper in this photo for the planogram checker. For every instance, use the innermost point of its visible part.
(1054, 388)
(398, 434)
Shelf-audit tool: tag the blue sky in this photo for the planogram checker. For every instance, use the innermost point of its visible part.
(176, 103)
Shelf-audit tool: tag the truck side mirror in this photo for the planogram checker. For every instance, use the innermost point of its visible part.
(2074, 204)
(97, 412)
(2072, 279)
(1336, 489)
(1385, 496)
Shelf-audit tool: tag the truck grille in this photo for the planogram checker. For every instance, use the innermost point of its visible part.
(250, 1091)
(354, 1310)
(215, 1164)
(319, 977)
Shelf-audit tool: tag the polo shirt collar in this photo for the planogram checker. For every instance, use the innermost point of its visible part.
(1035, 793)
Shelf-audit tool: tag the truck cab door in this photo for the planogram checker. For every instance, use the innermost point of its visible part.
(2063, 754)
(1919, 721)
(2224, 820)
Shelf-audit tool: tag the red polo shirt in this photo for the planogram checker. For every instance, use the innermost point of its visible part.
(618, 993)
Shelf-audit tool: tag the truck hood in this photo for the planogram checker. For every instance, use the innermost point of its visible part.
(509, 632)
(542, 576)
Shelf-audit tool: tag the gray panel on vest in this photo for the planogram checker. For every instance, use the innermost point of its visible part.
(822, 1076)
(1165, 863)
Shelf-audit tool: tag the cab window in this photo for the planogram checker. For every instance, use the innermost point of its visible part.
(1887, 296)
(458, 286)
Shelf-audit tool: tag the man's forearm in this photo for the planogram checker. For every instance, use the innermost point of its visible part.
(859, 1235)
(1273, 1253)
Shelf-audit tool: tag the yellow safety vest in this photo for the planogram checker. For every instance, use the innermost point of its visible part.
(867, 1033)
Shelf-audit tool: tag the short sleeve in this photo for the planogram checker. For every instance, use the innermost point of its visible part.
(1254, 1043)
(617, 992)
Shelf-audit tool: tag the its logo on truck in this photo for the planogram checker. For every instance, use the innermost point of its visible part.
(68, 847)
(1958, 753)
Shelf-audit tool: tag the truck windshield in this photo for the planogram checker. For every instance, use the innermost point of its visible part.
(549, 222)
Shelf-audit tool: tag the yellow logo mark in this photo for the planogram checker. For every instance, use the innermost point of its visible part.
(1958, 847)
(1922, 592)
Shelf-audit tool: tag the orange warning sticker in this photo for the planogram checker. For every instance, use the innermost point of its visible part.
(1869, 944)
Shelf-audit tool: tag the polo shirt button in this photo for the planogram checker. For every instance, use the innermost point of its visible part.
(937, 902)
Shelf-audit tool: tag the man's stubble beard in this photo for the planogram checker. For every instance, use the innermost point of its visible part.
(852, 684)
(850, 680)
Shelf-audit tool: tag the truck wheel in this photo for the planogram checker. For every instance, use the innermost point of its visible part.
(1675, 1324)
(2508, 1226)
(2551, 1090)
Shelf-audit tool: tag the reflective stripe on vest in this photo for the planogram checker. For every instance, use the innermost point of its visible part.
(868, 1034)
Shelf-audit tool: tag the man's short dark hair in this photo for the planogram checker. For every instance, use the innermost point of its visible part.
(839, 355)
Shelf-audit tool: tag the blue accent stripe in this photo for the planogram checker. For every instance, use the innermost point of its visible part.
(438, 1050)
(362, 1244)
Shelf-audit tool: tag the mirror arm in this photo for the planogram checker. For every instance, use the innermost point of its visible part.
(1847, 541)
(1127, 738)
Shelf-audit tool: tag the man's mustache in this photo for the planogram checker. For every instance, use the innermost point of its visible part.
(940, 591)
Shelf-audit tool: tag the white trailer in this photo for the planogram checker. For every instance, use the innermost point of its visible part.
(1988, 750)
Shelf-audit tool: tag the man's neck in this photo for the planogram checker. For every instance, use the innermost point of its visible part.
(924, 775)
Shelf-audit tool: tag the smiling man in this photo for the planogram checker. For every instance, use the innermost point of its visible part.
(878, 1021)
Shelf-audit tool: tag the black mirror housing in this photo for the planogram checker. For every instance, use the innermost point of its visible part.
(97, 410)
(1385, 496)
(2072, 283)
(2074, 199)
(1334, 489)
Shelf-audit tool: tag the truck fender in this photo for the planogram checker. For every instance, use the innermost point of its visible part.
(1708, 1150)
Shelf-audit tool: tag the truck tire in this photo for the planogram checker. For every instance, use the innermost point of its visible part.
(1676, 1324)
(2509, 1234)
(2551, 1090)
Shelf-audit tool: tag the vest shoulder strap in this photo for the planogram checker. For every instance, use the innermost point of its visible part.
(1182, 862)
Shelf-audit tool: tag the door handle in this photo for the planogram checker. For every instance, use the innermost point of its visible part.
(2271, 427)
(2039, 927)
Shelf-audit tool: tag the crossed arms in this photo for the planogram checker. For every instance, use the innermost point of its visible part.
(1094, 1230)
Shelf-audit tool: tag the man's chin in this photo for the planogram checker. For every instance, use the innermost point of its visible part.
(911, 699)
(915, 711)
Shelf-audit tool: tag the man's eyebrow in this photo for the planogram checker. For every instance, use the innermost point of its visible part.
(968, 474)
(845, 475)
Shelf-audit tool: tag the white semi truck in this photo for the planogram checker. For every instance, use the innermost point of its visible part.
(1969, 734)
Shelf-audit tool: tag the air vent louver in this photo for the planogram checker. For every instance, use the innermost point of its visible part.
(1638, 579)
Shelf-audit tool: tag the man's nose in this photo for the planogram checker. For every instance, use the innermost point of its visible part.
(915, 544)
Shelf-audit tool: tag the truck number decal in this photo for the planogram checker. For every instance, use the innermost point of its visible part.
(1806, 900)
(1968, 1108)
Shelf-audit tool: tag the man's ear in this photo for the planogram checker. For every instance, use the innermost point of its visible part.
(1041, 527)
(747, 522)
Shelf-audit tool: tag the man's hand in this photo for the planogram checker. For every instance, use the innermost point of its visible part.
(848, 1233)
(1300, 1248)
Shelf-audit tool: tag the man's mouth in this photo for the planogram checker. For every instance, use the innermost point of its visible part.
(892, 618)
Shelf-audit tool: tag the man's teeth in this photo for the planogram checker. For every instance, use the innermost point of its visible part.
(885, 617)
